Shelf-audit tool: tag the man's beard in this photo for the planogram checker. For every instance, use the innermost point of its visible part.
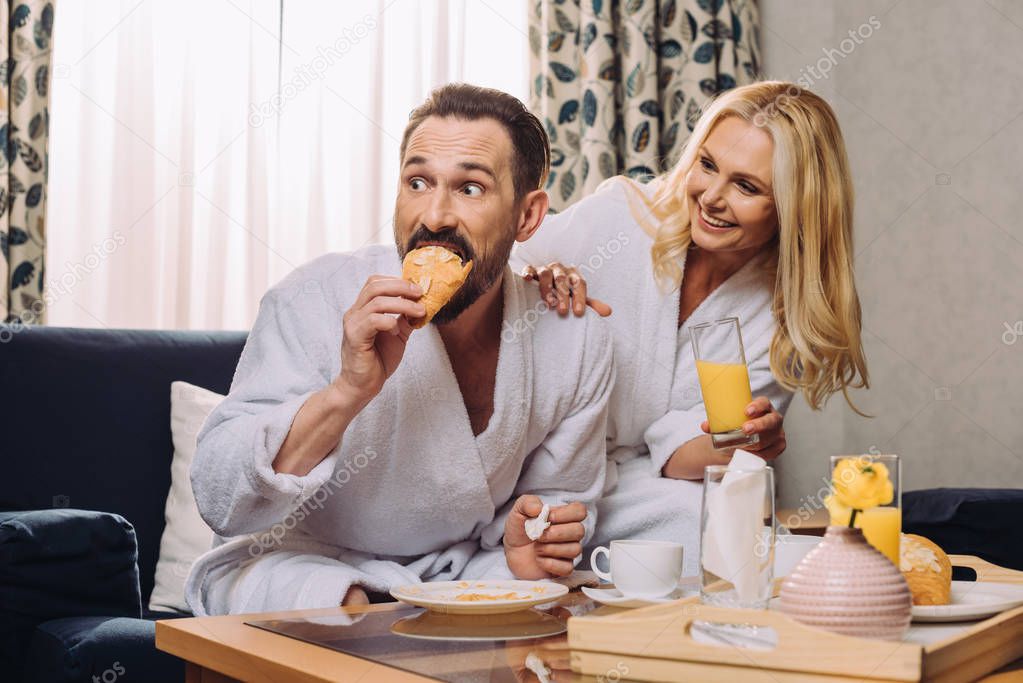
(485, 271)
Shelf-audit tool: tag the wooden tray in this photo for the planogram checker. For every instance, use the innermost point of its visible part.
(654, 644)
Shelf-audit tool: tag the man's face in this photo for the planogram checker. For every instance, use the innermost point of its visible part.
(456, 190)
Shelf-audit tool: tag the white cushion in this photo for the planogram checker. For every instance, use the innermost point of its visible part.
(186, 536)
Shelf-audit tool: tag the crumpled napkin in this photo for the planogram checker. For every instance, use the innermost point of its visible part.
(536, 526)
(734, 527)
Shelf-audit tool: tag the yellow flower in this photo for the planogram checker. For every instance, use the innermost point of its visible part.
(859, 484)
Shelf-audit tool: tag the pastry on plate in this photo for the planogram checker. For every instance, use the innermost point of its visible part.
(439, 273)
(927, 570)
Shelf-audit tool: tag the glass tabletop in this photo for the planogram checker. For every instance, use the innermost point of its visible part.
(529, 645)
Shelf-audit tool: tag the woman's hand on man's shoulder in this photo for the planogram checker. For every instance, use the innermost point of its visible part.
(564, 289)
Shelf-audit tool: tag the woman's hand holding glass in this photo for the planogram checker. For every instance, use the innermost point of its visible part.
(765, 421)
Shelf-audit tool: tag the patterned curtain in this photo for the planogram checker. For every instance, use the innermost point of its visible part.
(620, 83)
(24, 126)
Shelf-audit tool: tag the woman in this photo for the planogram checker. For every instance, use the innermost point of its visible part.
(754, 221)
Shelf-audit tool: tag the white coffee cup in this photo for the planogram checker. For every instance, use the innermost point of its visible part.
(789, 550)
(641, 569)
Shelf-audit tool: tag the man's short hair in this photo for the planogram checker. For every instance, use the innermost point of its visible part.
(532, 151)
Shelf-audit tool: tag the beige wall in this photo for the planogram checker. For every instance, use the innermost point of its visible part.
(931, 106)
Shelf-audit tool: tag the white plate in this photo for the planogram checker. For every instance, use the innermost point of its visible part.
(972, 600)
(687, 586)
(450, 597)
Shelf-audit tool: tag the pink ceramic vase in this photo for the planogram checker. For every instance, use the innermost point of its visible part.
(846, 586)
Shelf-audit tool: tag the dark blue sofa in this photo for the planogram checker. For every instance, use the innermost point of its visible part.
(86, 426)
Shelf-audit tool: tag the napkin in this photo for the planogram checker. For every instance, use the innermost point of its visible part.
(734, 526)
(536, 526)
(537, 666)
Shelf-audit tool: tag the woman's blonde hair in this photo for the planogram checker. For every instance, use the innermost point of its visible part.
(817, 347)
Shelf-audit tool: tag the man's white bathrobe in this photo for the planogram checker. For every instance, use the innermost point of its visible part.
(410, 494)
(656, 405)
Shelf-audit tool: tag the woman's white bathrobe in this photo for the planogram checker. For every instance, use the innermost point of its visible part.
(410, 493)
(656, 405)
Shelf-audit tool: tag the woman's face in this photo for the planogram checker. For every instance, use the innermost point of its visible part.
(730, 191)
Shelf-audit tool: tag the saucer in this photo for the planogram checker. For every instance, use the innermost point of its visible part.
(687, 586)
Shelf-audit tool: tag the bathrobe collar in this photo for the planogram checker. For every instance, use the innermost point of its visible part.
(512, 396)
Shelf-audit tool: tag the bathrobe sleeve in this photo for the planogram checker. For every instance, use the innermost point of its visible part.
(579, 235)
(682, 424)
(571, 462)
(285, 360)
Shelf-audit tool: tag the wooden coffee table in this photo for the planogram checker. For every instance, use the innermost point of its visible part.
(220, 649)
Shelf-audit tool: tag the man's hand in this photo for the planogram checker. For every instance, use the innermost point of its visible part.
(551, 554)
(765, 421)
(375, 333)
(564, 288)
(376, 330)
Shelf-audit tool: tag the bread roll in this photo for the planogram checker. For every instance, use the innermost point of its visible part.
(927, 570)
(439, 273)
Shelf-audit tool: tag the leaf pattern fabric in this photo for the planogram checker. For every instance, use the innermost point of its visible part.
(25, 58)
(619, 84)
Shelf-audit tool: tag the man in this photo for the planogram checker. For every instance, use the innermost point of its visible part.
(410, 454)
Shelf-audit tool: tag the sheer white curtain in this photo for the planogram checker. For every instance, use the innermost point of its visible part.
(202, 149)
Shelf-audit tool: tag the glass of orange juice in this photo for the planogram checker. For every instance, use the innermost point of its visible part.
(724, 381)
(882, 525)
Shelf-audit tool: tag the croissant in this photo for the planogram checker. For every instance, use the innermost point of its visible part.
(927, 570)
(439, 273)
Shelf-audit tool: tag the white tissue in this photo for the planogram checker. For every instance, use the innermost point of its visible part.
(536, 526)
(536, 665)
(734, 524)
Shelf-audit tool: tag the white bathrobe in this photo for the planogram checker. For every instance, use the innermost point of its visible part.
(656, 405)
(410, 494)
